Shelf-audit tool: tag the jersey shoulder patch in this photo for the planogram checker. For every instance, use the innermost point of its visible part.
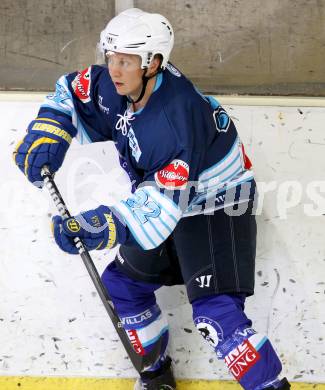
(81, 85)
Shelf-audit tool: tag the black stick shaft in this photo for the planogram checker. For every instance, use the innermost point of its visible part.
(140, 362)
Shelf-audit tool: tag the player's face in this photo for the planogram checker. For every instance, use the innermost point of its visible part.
(126, 73)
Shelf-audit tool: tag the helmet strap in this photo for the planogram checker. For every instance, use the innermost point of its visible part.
(145, 80)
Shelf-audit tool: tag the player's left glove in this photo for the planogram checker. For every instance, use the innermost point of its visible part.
(98, 229)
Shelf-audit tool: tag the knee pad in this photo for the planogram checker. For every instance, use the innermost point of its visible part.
(128, 295)
(249, 355)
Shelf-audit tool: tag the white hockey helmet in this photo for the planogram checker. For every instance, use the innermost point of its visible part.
(134, 31)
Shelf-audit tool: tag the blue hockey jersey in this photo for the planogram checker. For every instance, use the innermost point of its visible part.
(181, 151)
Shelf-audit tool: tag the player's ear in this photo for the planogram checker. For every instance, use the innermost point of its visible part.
(154, 65)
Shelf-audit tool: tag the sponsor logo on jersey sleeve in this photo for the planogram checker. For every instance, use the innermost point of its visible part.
(81, 85)
(173, 176)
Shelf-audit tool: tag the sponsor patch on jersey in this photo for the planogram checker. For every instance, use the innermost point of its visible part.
(242, 359)
(210, 330)
(173, 176)
(173, 70)
(81, 85)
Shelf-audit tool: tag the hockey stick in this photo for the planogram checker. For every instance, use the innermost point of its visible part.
(140, 363)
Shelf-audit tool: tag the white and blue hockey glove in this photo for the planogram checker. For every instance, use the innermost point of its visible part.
(46, 143)
(98, 229)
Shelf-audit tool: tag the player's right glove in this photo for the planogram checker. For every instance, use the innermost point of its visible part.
(98, 229)
(46, 143)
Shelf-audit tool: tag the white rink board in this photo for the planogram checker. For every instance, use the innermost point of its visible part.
(51, 319)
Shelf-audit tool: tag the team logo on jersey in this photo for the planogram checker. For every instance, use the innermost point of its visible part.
(173, 176)
(81, 85)
(210, 330)
(221, 119)
(241, 359)
(173, 70)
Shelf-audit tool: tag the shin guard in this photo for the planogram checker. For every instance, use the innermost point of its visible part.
(249, 355)
(145, 330)
(141, 317)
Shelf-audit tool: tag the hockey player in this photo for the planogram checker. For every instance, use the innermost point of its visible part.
(189, 220)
